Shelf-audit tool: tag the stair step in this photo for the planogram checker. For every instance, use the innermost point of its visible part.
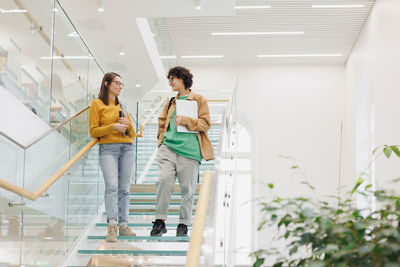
(150, 188)
(135, 252)
(147, 238)
(168, 225)
(140, 213)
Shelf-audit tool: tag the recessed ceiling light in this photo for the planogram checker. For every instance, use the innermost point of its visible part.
(55, 9)
(338, 6)
(252, 7)
(197, 4)
(256, 33)
(210, 56)
(122, 53)
(100, 9)
(303, 55)
(13, 10)
(138, 85)
(167, 57)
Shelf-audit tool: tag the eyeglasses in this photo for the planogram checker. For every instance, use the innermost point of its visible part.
(171, 79)
(118, 83)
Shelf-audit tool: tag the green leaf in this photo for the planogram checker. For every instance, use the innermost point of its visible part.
(261, 225)
(387, 151)
(295, 167)
(368, 186)
(287, 234)
(396, 150)
(358, 183)
(308, 184)
(258, 262)
(373, 151)
(271, 186)
(293, 250)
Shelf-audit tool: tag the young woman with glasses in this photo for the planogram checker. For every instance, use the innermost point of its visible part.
(116, 134)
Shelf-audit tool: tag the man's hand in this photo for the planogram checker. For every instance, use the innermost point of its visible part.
(178, 120)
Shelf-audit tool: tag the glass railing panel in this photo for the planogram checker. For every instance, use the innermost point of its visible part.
(71, 202)
(70, 68)
(11, 162)
(54, 86)
(146, 145)
(85, 181)
(83, 195)
(24, 42)
(42, 160)
(94, 79)
(219, 237)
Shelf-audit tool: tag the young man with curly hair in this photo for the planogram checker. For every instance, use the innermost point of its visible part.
(180, 153)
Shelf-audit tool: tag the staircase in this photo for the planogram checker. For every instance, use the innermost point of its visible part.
(143, 249)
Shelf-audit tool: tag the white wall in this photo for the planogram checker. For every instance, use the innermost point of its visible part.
(289, 110)
(374, 68)
(292, 110)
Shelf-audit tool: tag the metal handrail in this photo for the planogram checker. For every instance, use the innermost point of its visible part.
(196, 238)
(34, 195)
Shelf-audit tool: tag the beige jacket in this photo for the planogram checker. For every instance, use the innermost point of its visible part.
(202, 124)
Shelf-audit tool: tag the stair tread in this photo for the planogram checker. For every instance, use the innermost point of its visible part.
(134, 252)
(149, 238)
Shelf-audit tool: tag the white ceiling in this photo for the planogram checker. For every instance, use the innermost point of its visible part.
(181, 30)
(326, 31)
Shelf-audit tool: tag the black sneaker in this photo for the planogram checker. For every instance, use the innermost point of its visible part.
(158, 228)
(181, 230)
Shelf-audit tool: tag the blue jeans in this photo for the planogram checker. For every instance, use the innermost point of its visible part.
(116, 163)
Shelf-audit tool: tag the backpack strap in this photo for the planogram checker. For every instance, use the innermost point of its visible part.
(170, 102)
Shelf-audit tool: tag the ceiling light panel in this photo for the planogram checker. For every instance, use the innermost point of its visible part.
(260, 31)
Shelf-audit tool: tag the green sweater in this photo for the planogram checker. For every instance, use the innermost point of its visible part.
(184, 144)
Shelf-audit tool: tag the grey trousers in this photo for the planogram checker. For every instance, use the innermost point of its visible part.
(170, 166)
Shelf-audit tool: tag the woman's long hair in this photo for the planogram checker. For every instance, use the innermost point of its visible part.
(103, 94)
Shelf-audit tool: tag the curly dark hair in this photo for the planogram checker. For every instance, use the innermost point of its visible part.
(181, 73)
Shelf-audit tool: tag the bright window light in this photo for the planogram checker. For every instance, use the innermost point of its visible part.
(339, 6)
(253, 7)
(73, 34)
(211, 56)
(256, 33)
(167, 57)
(13, 10)
(303, 55)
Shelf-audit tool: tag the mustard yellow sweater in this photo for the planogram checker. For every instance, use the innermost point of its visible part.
(101, 123)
